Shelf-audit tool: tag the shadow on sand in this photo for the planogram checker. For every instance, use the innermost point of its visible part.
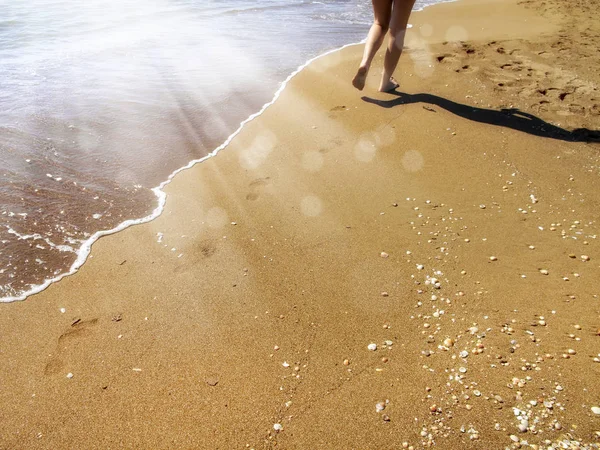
(509, 118)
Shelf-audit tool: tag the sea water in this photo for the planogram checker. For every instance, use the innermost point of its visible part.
(101, 100)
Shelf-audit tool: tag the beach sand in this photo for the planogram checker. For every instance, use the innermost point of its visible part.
(429, 222)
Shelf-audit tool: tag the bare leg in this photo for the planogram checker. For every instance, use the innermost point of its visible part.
(382, 10)
(400, 14)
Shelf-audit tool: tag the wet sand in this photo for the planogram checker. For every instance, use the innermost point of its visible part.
(453, 231)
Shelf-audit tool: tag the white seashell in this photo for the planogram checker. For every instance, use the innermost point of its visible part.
(523, 426)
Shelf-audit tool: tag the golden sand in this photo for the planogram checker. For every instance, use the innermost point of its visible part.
(326, 226)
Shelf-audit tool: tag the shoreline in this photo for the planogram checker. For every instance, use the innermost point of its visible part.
(85, 249)
(358, 270)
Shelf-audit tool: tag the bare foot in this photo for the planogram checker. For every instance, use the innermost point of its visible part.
(359, 79)
(389, 86)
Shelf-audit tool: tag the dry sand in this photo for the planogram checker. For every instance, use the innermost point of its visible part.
(320, 230)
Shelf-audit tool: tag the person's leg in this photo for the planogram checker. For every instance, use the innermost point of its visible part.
(400, 14)
(382, 10)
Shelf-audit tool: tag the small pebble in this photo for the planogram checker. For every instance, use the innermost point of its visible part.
(384, 255)
(585, 257)
(462, 370)
(493, 258)
(278, 427)
(544, 272)
(70, 375)
(372, 347)
(448, 342)
(596, 409)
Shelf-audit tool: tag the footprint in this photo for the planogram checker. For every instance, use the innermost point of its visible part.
(577, 109)
(562, 95)
(256, 188)
(466, 68)
(196, 255)
(446, 57)
(206, 248)
(78, 330)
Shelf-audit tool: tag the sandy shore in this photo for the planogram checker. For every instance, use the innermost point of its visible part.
(456, 233)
